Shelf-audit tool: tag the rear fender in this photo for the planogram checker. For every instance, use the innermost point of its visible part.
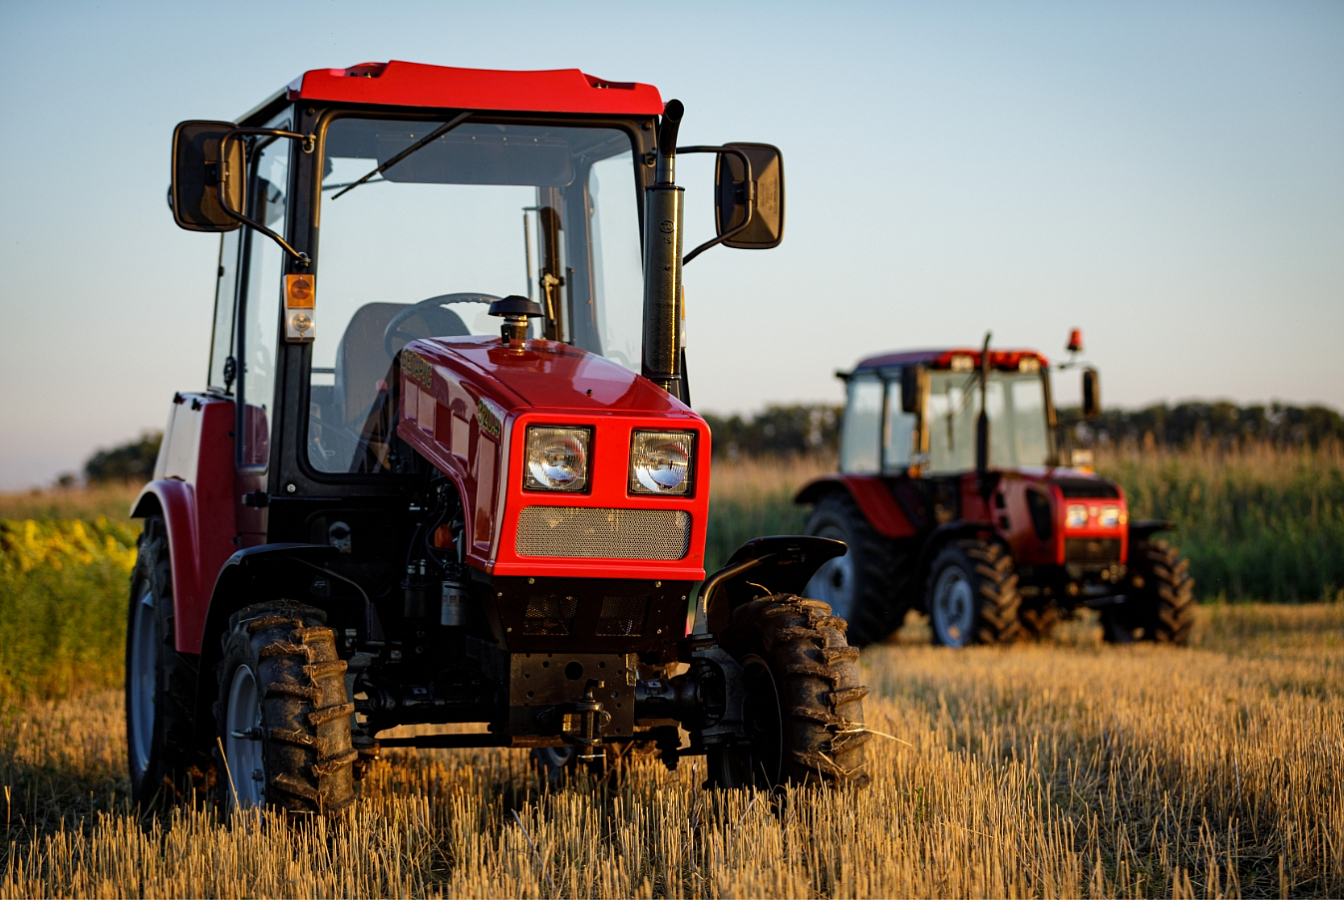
(782, 564)
(873, 496)
(176, 501)
(253, 575)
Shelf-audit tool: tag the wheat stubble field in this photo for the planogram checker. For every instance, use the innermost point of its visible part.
(1071, 769)
(1063, 769)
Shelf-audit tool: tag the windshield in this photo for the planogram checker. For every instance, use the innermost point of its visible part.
(1018, 433)
(479, 212)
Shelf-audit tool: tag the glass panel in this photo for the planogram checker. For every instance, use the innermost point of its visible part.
(859, 433)
(484, 211)
(899, 433)
(1018, 435)
(261, 319)
(618, 266)
(221, 342)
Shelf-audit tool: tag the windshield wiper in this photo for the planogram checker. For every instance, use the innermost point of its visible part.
(432, 136)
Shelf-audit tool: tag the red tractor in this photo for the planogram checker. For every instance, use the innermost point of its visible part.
(953, 500)
(444, 471)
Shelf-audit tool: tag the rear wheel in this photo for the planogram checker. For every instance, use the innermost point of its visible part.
(860, 586)
(160, 686)
(972, 596)
(803, 703)
(1161, 598)
(1039, 622)
(283, 713)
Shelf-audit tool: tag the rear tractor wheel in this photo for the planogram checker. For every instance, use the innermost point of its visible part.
(1161, 598)
(160, 686)
(283, 713)
(804, 702)
(859, 586)
(972, 596)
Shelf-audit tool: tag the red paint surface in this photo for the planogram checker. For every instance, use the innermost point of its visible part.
(476, 381)
(194, 487)
(942, 359)
(873, 497)
(1020, 534)
(413, 84)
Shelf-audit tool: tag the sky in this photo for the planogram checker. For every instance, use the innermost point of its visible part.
(1169, 177)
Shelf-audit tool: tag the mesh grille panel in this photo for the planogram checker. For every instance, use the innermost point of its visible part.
(549, 614)
(623, 616)
(605, 533)
(1085, 550)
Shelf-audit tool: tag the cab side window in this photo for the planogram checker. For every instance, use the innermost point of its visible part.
(262, 265)
(859, 435)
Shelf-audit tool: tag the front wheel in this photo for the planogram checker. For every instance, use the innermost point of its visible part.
(1161, 598)
(803, 700)
(972, 596)
(283, 713)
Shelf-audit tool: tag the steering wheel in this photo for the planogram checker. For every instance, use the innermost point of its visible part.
(434, 319)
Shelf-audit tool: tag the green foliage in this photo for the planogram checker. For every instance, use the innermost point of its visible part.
(1196, 424)
(1262, 524)
(794, 430)
(63, 589)
(133, 461)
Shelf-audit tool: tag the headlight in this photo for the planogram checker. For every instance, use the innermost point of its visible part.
(1110, 517)
(557, 459)
(660, 462)
(1075, 516)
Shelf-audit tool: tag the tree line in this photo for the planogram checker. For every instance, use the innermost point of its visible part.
(806, 429)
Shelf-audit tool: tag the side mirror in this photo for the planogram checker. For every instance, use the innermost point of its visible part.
(199, 170)
(1091, 394)
(765, 196)
(914, 385)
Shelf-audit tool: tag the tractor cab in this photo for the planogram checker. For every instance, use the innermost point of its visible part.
(955, 501)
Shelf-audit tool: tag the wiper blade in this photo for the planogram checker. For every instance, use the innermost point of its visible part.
(429, 138)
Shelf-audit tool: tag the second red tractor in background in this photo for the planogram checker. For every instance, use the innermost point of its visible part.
(954, 501)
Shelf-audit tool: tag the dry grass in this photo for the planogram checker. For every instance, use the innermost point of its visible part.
(1066, 769)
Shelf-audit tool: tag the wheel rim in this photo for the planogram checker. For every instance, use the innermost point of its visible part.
(833, 583)
(764, 722)
(140, 682)
(953, 607)
(242, 742)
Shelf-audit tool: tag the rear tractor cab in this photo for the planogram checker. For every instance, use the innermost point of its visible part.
(444, 468)
(953, 500)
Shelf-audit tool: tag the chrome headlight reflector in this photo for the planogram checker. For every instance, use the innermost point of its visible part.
(1109, 517)
(660, 462)
(557, 458)
(1075, 516)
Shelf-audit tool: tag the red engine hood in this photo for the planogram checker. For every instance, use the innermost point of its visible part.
(463, 400)
(548, 375)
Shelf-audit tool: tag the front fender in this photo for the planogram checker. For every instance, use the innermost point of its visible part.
(253, 575)
(782, 564)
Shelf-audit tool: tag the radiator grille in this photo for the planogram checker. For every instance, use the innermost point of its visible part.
(605, 533)
(1088, 550)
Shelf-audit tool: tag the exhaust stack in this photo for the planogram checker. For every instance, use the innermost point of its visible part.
(663, 212)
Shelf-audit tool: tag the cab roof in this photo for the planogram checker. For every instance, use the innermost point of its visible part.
(409, 84)
(942, 359)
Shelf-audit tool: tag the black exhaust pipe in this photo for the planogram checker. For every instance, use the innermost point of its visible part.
(663, 209)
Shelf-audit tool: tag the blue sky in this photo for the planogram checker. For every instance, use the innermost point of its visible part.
(1169, 177)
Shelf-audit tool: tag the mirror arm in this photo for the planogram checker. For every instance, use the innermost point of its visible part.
(309, 144)
(751, 197)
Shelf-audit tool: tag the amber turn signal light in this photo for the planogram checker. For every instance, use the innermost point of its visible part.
(300, 306)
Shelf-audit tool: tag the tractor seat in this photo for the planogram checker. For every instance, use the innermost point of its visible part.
(361, 358)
